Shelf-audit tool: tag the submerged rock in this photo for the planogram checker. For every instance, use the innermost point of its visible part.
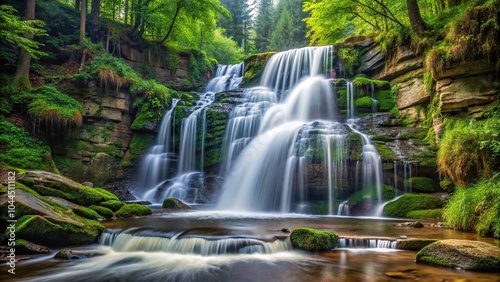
(414, 224)
(24, 247)
(176, 204)
(310, 239)
(465, 254)
(77, 254)
(413, 244)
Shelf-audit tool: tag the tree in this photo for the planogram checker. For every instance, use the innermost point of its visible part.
(95, 13)
(290, 31)
(238, 26)
(264, 25)
(83, 17)
(21, 79)
(417, 23)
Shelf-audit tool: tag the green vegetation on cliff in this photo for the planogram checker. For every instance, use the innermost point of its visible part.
(411, 202)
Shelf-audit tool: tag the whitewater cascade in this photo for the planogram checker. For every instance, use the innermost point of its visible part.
(268, 168)
(187, 182)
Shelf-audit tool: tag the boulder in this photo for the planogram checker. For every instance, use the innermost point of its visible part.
(176, 204)
(24, 247)
(465, 254)
(131, 210)
(414, 224)
(412, 92)
(413, 244)
(69, 254)
(311, 240)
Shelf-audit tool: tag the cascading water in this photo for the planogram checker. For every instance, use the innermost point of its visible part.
(187, 182)
(298, 139)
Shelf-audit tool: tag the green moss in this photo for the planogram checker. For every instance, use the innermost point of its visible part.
(411, 202)
(431, 213)
(139, 144)
(312, 240)
(113, 205)
(371, 193)
(23, 248)
(86, 213)
(385, 153)
(102, 211)
(421, 184)
(363, 102)
(365, 81)
(254, 66)
(350, 59)
(446, 184)
(384, 138)
(130, 210)
(108, 196)
(20, 150)
(385, 100)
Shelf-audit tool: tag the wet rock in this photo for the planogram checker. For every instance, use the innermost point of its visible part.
(176, 204)
(465, 254)
(24, 247)
(310, 239)
(285, 230)
(405, 274)
(69, 254)
(414, 224)
(413, 244)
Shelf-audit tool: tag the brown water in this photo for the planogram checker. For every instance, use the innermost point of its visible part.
(335, 265)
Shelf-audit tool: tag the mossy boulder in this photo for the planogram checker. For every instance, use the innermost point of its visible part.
(413, 244)
(113, 205)
(254, 66)
(103, 211)
(86, 213)
(421, 184)
(51, 184)
(57, 232)
(130, 210)
(363, 103)
(465, 254)
(312, 240)
(411, 202)
(24, 247)
(172, 203)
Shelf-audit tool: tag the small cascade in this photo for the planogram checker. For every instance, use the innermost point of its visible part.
(205, 245)
(379, 210)
(409, 169)
(372, 95)
(186, 183)
(367, 243)
(227, 77)
(372, 163)
(350, 99)
(154, 166)
(343, 208)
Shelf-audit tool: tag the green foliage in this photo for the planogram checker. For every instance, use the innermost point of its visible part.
(385, 100)
(313, 240)
(411, 202)
(139, 144)
(385, 153)
(102, 211)
(254, 66)
(432, 213)
(469, 149)
(371, 193)
(13, 30)
(86, 213)
(365, 81)
(350, 59)
(20, 150)
(363, 102)
(476, 209)
(225, 50)
(130, 210)
(421, 184)
(53, 107)
(113, 205)
(290, 29)
(199, 64)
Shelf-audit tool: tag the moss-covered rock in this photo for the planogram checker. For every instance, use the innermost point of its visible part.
(254, 66)
(465, 254)
(102, 211)
(421, 184)
(172, 203)
(411, 202)
(310, 239)
(51, 184)
(130, 210)
(57, 232)
(113, 205)
(431, 213)
(24, 247)
(86, 213)
(413, 244)
(363, 103)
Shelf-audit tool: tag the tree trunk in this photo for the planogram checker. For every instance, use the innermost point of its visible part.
(126, 12)
(95, 13)
(172, 23)
(417, 23)
(21, 77)
(83, 18)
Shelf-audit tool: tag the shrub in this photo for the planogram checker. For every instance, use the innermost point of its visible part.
(476, 209)
(411, 202)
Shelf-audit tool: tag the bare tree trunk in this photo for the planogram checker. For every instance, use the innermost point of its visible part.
(95, 13)
(417, 23)
(21, 77)
(83, 19)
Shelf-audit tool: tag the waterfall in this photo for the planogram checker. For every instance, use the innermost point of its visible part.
(370, 243)
(185, 185)
(154, 166)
